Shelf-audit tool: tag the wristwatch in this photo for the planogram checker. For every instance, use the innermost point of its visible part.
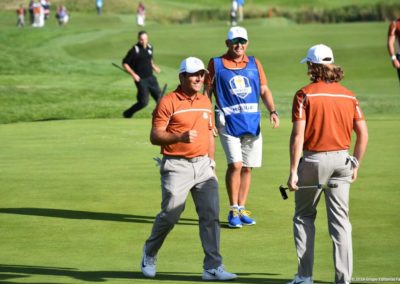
(394, 57)
(273, 112)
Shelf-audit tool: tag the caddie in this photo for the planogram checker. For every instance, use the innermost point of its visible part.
(238, 82)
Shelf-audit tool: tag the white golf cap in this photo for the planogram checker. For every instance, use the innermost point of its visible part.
(192, 65)
(319, 54)
(236, 32)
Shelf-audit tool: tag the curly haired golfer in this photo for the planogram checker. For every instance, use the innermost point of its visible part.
(324, 114)
(182, 126)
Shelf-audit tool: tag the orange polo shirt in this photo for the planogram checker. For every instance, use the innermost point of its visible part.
(229, 63)
(329, 110)
(180, 113)
(394, 29)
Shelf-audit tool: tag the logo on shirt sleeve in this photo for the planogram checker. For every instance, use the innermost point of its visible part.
(240, 86)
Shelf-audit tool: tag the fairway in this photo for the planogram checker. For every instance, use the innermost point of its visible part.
(79, 198)
(79, 188)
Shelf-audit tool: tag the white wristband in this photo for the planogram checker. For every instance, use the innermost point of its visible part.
(394, 57)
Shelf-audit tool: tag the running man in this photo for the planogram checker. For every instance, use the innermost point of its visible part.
(140, 65)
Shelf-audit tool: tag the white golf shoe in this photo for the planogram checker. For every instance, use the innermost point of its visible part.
(301, 280)
(218, 273)
(148, 265)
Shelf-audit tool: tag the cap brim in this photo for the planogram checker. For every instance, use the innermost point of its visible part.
(304, 60)
(192, 72)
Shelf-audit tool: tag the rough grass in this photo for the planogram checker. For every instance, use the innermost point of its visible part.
(61, 73)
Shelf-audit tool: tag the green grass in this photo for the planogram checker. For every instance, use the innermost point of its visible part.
(66, 73)
(79, 198)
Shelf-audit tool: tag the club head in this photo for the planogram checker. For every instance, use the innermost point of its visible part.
(282, 189)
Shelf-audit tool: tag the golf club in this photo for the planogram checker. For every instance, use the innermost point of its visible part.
(164, 89)
(119, 67)
(283, 189)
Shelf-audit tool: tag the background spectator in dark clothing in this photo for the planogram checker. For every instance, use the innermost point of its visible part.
(139, 64)
(31, 14)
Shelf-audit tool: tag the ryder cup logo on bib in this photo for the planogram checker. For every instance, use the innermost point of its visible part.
(240, 86)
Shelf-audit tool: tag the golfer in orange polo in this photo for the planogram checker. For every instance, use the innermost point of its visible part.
(182, 125)
(324, 115)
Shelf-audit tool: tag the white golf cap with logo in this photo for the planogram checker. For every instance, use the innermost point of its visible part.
(319, 54)
(236, 32)
(192, 65)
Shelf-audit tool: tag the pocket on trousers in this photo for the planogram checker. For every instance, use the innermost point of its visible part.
(344, 173)
(308, 172)
(164, 166)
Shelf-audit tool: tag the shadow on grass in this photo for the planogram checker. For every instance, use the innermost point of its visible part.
(23, 271)
(86, 215)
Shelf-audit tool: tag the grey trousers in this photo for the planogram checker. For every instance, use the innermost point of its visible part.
(324, 168)
(179, 176)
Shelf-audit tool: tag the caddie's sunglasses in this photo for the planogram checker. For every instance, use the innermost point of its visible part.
(238, 40)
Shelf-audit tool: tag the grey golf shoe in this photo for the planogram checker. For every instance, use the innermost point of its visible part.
(301, 280)
(218, 274)
(148, 265)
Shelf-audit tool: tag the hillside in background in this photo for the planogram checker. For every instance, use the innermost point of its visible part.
(183, 11)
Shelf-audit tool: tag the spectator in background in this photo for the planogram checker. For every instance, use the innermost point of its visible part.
(234, 12)
(46, 8)
(62, 15)
(140, 14)
(21, 16)
(99, 6)
(38, 13)
(240, 9)
(394, 32)
(31, 15)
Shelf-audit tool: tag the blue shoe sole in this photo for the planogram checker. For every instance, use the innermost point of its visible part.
(248, 224)
(234, 227)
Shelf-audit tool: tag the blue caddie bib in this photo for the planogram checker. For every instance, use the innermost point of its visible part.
(238, 94)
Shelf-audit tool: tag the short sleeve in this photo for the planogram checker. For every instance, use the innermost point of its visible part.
(299, 106)
(162, 113)
(358, 113)
(263, 78)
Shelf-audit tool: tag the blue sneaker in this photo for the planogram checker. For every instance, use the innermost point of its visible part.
(245, 217)
(234, 219)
